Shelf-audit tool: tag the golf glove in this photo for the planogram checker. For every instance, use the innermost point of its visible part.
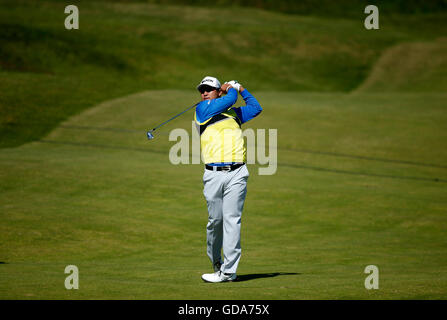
(235, 84)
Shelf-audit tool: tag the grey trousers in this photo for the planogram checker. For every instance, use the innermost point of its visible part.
(225, 193)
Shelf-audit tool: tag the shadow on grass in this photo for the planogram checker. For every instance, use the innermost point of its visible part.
(247, 277)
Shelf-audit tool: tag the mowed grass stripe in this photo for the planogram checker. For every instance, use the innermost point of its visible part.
(291, 165)
(317, 152)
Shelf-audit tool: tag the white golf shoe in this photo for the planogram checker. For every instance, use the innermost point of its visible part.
(218, 276)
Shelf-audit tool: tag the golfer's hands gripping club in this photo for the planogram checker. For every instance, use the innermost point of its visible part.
(236, 85)
(225, 87)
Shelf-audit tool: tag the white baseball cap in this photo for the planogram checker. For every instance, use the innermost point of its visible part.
(209, 81)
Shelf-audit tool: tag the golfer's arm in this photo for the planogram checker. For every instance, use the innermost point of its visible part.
(251, 109)
(216, 106)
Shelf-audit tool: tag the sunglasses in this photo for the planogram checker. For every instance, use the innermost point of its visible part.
(204, 89)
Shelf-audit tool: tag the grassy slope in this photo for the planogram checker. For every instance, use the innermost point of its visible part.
(48, 73)
(112, 204)
(417, 67)
(325, 8)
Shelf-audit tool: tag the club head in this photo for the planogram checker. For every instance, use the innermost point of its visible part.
(150, 136)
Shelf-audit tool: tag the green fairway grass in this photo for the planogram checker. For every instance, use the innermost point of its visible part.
(361, 176)
(361, 181)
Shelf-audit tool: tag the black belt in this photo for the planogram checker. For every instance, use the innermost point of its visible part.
(229, 167)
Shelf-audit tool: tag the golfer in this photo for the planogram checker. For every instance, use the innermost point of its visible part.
(225, 176)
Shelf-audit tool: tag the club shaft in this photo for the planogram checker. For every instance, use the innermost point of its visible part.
(175, 116)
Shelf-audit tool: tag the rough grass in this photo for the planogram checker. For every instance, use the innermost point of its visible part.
(48, 73)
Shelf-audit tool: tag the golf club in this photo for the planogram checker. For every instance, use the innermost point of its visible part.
(150, 134)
